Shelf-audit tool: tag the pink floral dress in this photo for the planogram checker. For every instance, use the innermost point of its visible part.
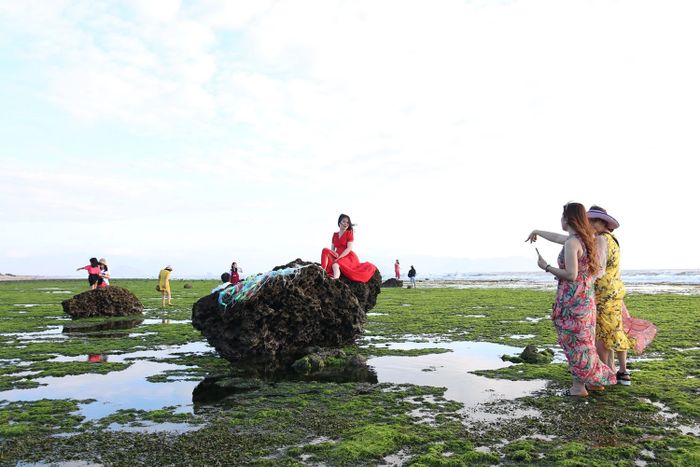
(574, 317)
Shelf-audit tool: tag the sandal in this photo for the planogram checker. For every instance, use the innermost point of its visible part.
(595, 388)
(623, 378)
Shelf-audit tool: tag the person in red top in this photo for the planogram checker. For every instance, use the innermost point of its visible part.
(342, 259)
(93, 269)
(235, 277)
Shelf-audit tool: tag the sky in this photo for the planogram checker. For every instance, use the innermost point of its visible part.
(196, 133)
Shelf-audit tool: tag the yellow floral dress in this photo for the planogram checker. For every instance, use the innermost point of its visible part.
(609, 295)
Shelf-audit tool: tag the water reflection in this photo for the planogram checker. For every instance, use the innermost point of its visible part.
(451, 370)
(98, 329)
(125, 389)
(96, 358)
(131, 389)
(249, 378)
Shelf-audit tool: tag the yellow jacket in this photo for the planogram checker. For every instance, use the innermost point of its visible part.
(164, 279)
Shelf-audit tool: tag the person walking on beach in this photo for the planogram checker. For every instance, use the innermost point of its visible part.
(164, 284)
(104, 273)
(93, 270)
(342, 258)
(412, 276)
(574, 311)
(235, 277)
(397, 270)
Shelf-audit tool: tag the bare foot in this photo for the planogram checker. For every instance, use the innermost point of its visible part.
(577, 392)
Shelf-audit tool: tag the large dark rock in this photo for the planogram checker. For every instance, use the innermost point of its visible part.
(288, 314)
(109, 301)
(392, 283)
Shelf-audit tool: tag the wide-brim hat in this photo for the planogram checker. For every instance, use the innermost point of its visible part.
(604, 216)
(168, 267)
(103, 261)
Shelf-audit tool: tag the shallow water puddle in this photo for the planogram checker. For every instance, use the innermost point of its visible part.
(666, 412)
(52, 332)
(452, 371)
(126, 389)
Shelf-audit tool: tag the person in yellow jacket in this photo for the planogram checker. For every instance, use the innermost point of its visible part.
(164, 283)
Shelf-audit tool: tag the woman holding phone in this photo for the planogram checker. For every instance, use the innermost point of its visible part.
(574, 310)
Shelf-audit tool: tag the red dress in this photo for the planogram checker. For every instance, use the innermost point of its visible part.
(235, 278)
(350, 265)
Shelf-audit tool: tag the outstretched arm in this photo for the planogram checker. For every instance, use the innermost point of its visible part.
(551, 236)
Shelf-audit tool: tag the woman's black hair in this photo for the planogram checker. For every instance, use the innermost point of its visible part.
(340, 218)
(94, 263)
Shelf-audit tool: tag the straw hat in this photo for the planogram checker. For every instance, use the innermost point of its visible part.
(103, 261)
(596, 212)
(169, 267)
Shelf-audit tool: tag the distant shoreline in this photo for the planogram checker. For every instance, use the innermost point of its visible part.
(515, 283)
(17, 277)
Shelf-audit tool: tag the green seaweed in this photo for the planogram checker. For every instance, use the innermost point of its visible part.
(271, 422)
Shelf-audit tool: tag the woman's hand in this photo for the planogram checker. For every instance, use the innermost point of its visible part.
(541, 262)
(532, 238)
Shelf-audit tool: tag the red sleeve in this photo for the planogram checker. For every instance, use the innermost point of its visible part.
(350, 236)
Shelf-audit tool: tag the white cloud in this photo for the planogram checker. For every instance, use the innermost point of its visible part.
(472, 123)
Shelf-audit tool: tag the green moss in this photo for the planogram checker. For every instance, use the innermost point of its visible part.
(282, 422)
(43, 416)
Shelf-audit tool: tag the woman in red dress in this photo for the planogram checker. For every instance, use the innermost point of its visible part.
(341, 258)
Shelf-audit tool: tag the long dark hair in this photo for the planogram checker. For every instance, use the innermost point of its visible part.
(576, 218)
(94, 263)
(340, 218)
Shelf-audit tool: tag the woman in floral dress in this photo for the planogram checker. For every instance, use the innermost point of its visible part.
(574, 310)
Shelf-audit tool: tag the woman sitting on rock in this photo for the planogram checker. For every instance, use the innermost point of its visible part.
(342, 258)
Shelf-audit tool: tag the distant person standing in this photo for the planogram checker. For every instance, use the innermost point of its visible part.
(93, 270)
(235, 277)
(412, 276)
(164, 284)
(397, 270)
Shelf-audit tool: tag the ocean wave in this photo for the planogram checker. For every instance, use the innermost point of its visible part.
(686, 277)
